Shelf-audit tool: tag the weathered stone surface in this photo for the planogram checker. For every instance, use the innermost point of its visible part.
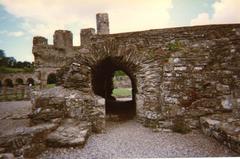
(224, 128)
(70, 133)
(204, 106)
(7, 156)
(26, 141)
(188, 72)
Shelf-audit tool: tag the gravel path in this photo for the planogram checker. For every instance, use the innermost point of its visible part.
(131, 140)
(122, 140)
(14, 109)
(14, 115)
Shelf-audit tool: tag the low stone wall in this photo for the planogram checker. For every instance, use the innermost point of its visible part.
(21, 92)
(224, 128)
(56, 104)
(122, 82)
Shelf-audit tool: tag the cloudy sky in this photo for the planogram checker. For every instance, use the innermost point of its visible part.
(20, 20)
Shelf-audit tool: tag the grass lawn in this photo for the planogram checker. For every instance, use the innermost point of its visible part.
(15, 70)
(51, 85)
(122, 92)
(18, 96)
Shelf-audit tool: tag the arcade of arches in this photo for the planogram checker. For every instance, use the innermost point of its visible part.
(15, 86)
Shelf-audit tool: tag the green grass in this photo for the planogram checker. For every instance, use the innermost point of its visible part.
(15, 70)
(12, 97)
(175, 46)
(122, 92)
(51, 85)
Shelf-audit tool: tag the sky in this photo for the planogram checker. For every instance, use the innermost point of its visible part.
(21, 20)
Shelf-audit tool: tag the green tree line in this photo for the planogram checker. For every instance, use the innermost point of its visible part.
(11, 65)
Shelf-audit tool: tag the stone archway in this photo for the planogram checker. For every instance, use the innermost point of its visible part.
(102, 84)
(86, 84)
(1, 87)
(51, 78)
(8, 83)
(30, 81)
(19, 81)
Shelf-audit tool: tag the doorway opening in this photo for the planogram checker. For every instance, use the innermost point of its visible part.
(19, 81)
(30, 82)
(8, 83)
(119, 101)
(51, 80)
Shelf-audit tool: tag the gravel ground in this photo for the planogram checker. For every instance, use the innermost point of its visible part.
(14, 115)
(14, 109)
(131, 140)
(122, 140)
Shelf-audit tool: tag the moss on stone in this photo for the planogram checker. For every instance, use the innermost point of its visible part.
(180, 126)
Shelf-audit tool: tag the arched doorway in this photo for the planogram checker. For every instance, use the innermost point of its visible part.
(8, 83)
(30, 81)
(102, 84)
(51, 80)
(19, 81)
(0, 87)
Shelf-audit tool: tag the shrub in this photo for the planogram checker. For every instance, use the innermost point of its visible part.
(175, 46)
(180, 126)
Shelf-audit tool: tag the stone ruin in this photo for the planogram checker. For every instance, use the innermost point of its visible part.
(182, 78)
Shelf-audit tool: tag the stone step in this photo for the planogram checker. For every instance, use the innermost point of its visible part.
(26, 141)
(224, 128)
(70, 133)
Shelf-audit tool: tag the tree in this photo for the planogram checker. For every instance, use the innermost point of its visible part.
(2, 53)
(11, 61)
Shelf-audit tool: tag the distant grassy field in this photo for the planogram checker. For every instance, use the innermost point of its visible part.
(118, 92)
(18, 96)
(122, 92)
(15, 70)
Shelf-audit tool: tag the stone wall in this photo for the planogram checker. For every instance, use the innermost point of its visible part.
(50, 58)
(177, 74)
(15, 76)
(188, 71)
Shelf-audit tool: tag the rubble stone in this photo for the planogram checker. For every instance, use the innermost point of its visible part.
(69, 134)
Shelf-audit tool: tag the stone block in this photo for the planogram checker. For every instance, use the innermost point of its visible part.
(70, 133)
(223, 128)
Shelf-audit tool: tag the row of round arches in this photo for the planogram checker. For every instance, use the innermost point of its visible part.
(8, 82)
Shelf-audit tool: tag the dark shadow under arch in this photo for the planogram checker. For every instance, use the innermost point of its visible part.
(19, 81)
(52, 79)
(30, 81)
(8, 83)
(102, 85)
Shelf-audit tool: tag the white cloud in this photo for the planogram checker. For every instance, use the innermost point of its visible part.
(42, 17)
(13, 34)
(16, 34)
(225, 11)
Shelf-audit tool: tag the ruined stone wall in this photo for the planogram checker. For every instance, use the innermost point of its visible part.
(14, 76)
(185, 72)
(50, 58)
(188, 71)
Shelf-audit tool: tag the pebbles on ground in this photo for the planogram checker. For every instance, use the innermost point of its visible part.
(121, 140)
(132, 140)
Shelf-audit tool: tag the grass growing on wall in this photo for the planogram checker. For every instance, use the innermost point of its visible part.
(122, 92)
